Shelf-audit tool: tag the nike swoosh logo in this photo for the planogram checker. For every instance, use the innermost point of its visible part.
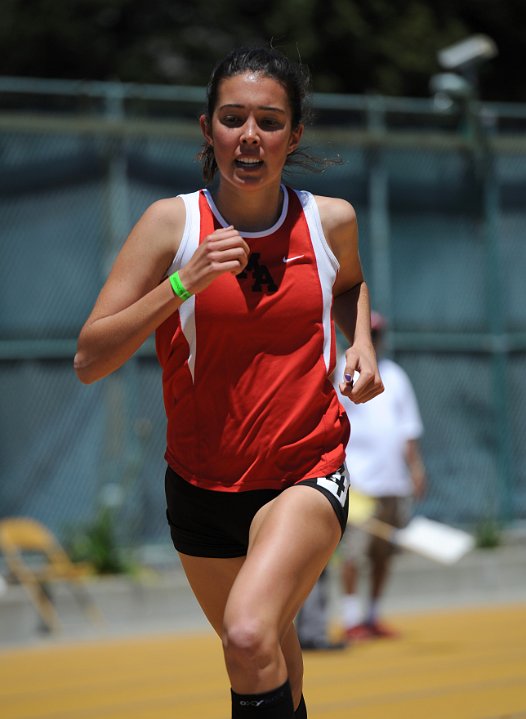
(290, 259)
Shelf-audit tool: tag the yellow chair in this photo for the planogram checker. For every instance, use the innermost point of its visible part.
(35, 559)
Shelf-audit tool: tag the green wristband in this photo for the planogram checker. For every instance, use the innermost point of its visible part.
(178, 287)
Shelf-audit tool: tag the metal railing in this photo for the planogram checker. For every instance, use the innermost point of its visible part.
(133, 137)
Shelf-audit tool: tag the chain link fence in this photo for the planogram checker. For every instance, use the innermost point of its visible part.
(440, 201)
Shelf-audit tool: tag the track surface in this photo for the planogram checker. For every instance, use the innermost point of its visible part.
(468, 664)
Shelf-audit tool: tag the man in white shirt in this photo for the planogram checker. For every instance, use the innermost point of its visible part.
(384, 462)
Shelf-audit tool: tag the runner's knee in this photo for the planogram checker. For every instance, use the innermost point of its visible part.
(248, 643)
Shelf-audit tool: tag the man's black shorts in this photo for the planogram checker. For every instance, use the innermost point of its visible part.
(208, 523)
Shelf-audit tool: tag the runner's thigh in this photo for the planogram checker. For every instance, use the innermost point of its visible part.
(291, 541)
(211, 580)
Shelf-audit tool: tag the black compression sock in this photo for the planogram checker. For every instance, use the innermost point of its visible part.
(276, 704)
(301, 711)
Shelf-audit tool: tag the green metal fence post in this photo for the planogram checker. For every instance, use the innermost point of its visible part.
(496, 315)
(122, 389)
(378, 190)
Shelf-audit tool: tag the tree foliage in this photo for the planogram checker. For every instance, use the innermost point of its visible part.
(350, 46)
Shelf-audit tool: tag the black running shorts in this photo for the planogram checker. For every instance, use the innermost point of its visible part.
(208, 523)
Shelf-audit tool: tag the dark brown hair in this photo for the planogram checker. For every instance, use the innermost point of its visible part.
(268, 62)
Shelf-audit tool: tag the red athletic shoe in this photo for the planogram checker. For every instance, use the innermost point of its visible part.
(359, 633)
(380, 631)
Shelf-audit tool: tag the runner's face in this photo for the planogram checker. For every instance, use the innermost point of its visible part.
(251, 130)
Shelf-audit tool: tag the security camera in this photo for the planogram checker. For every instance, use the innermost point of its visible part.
(449, 84)
(468, 52)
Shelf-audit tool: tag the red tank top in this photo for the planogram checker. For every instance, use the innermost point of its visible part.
(246, 362)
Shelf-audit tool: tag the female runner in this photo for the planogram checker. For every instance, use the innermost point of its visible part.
(240, 282)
